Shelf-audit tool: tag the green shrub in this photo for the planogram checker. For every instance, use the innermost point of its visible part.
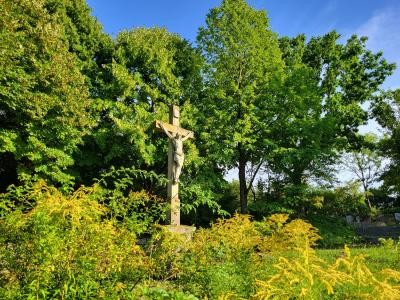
(334, 231)
(121, 191)
(222, 259)
(344, 200)
(261, 208)
(137, 198)
(63, 248)
(157, 293)
(22, 197)
(305, 276)
(70, 247)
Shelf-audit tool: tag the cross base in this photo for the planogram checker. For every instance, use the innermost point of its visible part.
(184, 230)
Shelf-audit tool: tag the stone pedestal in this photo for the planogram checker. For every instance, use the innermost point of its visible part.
(184, 230)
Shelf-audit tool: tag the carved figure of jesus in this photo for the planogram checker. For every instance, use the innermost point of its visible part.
(177, 142)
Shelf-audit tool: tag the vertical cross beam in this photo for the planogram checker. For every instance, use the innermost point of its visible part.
(173, 188)
(176, 136)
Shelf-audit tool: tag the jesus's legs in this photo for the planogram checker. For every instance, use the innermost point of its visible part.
(178, 167)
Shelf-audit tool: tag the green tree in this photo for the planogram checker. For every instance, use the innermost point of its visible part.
(84, 37)
(150, 69)
(365, 163)
(326, 83)
(243, 68)
(386, 110)
(44, 102)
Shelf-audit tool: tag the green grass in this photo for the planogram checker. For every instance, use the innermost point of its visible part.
(376, 258)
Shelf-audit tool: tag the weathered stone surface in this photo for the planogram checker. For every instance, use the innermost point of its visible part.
(397, 217)
(173, 128)
(349, 219)
(177, 136)
(184, 230)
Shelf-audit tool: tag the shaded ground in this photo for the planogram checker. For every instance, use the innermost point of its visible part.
(372, 233)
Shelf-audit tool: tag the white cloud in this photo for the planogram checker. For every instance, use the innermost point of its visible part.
(382, 30)
(383, 33)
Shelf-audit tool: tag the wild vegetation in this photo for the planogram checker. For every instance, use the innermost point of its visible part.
(72, 247)
(82, 169)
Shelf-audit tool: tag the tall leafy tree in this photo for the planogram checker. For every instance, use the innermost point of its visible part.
(44, 104)
(150, 69)
(84, 36)
(386, 110)
(326, 83)
(243, 68)
(365, 163)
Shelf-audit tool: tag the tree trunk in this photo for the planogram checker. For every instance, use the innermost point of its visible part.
(365, 187)
(297, 180)
(242, 181)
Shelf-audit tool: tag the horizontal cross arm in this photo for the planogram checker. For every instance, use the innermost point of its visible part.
(174, 129)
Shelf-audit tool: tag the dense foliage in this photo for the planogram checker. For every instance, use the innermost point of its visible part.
(386, 109)
(82, 184)
(283, 106)
(243, 69)
(44, 104)
(73, 247)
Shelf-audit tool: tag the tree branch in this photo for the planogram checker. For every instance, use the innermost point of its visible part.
(254, 176)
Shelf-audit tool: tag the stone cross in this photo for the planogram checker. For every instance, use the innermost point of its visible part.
(177, 136)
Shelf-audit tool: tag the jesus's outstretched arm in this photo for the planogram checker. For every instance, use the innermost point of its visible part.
(187, 136)
(165, 130)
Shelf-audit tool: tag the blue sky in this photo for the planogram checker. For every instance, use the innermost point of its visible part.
(377, 19)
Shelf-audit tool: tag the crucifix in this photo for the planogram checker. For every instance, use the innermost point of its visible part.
(177, 136)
